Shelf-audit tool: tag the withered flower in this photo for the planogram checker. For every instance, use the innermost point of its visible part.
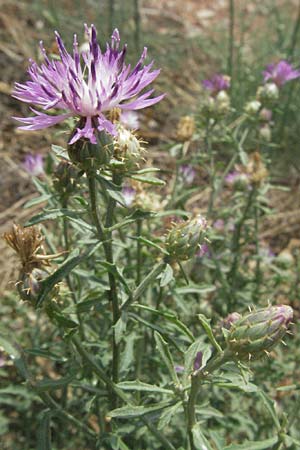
(27, 242)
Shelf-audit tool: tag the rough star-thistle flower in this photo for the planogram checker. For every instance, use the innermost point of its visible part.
(217, 83)
(87, 89)
(280, 73)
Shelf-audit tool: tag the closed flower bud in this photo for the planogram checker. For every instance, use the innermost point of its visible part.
(88, 156)
(267, 93)
(252, 108)
(222, 103)
(185, 238)
(127, 148)
(265, 133)
(258, 332)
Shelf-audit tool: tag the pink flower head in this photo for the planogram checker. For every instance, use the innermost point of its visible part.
(33, 164)
(217, 83)
(280, 73)
(86, 85)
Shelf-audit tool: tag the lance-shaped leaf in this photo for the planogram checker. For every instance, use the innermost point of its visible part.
(164, 351)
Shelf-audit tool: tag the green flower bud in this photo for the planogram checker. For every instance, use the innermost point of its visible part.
(265, 133)
(258, 332)
(185, 238)
(252, 108)
(127, 149)
(267, 93)
(89, 156)
(222, 103)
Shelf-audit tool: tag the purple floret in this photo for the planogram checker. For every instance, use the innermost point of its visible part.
(217, 83)
(280, 73)
(87, 85)
(33, 164)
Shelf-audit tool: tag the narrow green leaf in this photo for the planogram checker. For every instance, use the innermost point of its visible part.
(68, 265)
(155, 328)
(120, 327)
(137, 411)
(166, 276)
(44, 354)
(37, 200)
(117, 196)
(170, 317)
(138, 385)
(149, 243)
(200, 441)
(205, 323)
(54, 214)
(197, 289)
(257, 445)
(149, 180)
(269, 404)
(167, 415)
(164, 351)
(52, 385)
(148, 170)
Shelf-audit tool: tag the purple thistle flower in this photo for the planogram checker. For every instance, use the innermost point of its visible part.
(217, 83)
(280, 73)
(88, 89)
(33, 164)
(187, 173)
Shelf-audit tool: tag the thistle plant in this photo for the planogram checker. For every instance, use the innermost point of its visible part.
(144, 303)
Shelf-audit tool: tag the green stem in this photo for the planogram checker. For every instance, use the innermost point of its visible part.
(139, 252)
(112, 293)
(236, 247)
(231, 39)
(64, 203)
(258, 274)
(94, 366)
(196, 381)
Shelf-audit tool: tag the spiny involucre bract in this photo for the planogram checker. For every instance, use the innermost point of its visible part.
(259, 331)
(185, 238)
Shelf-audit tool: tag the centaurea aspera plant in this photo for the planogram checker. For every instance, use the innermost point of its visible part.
(132, 354)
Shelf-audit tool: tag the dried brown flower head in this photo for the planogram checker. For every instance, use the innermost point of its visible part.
(28, 244)
(256, 169)
(185, 128)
